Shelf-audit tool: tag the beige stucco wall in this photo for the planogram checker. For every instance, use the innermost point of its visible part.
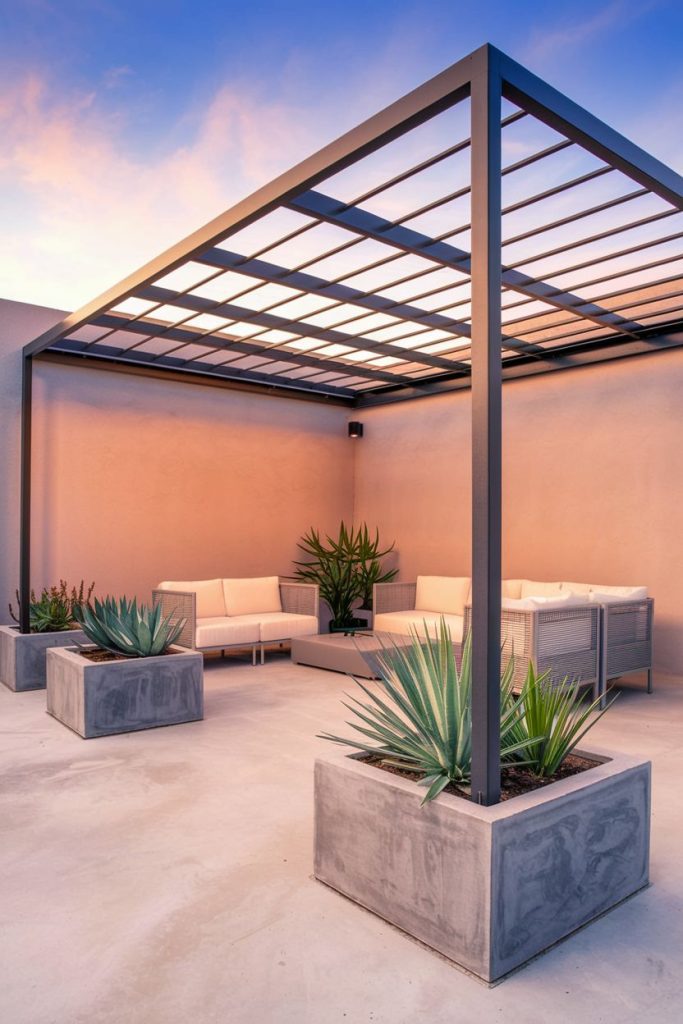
(593, 482)
(136, 480)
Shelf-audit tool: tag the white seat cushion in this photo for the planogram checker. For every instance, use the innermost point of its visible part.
(285, 625)
(248, 596)
(611, 595)
(209, 595)
(222, 631)
(415, 619)
(536, 588)
(446, 595)
(541, 604)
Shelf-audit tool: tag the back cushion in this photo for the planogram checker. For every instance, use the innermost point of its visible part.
(209, 593)
(511, 588)
(533, 588)
(247, 596)
(632, 593)
(577, 588)
(448, 594)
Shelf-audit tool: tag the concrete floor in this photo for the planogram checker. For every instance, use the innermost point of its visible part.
(165, 876)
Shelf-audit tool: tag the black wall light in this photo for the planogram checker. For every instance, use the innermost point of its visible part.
(355, 429)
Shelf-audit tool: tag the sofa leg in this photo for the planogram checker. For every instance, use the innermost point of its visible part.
(649, 680)
(263, 655)
(253, 656)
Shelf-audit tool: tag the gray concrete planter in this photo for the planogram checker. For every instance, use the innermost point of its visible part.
(22, 655)
(108, 697)
(488, 887)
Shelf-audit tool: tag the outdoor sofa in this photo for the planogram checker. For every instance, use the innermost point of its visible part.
(247, 612)
(583, 631)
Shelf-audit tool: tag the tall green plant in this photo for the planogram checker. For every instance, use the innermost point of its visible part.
(345, 568)
(55, 610)
(369, 563)
(423, 720)
(122, 627)
(552, 721)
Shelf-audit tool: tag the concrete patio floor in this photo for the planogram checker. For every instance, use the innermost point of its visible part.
(165, 876)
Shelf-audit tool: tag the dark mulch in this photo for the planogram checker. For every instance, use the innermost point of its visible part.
(514, 781)
(97, 654)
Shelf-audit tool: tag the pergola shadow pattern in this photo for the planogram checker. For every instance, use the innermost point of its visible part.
(482, 227)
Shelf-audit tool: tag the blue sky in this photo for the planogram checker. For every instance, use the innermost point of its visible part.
(127, 125)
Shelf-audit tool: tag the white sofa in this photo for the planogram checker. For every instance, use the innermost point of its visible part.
(245, 612)
(588, 631)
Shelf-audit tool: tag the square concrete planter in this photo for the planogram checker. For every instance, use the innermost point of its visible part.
(107, 697)
(488, 887)
(22, 655)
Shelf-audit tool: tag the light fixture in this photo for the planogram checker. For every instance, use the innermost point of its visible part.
(355, 429)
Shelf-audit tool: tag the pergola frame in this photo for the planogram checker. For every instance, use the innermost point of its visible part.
(485, 78)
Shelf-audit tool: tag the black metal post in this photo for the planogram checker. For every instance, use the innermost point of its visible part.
(25, 495)
(486, 432)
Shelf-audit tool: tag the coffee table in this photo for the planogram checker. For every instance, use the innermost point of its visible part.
(340, 652)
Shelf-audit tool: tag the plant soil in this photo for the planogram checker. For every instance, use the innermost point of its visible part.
(98, 654)
(514, 781)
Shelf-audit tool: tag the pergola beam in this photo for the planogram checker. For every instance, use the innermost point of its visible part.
(534, 95)
(315, 204)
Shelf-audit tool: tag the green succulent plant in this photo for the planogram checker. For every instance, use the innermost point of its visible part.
(345, 568)
(553, 718)
(55, 610)
(423, 720)
(122, 627)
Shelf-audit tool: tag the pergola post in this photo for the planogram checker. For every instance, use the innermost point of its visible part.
(25, 496)
(486, 431)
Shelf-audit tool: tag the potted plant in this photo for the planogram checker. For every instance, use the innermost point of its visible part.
(369, 566)
(52, 623)
(488, 887)
(345, 568)
(131, 677)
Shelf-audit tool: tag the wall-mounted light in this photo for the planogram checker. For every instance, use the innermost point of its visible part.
(355, 429)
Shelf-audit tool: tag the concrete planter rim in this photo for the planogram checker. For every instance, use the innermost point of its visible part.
(609, 762)
(73, 653)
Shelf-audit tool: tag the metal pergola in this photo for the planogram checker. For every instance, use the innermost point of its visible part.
(378, 270)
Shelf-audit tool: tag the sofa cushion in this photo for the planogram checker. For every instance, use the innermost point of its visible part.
(532, 604)
(633, 593)
(248, 596)
(577, 588)
(209, 595)
(444, 594)
(511, 588)
(613, 595)
(222, 631)
(536, 588)
(405, 622)
(285, 625)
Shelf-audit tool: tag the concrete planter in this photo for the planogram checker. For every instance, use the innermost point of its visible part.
(488, 887)
(22, 655)
(103, 698)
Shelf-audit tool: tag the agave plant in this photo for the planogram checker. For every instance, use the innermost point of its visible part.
(423, 720)
(55, 610)
(122, 627)
(553, 721)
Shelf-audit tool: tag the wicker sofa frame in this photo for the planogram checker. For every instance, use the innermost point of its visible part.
(296, 598)
(626, 640)
(536, 636)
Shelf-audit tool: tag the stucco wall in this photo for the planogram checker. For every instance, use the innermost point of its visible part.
(136, 479)
(593, 482)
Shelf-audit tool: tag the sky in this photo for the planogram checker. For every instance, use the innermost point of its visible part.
(125, 126)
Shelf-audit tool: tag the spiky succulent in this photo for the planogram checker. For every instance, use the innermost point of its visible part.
(126, 628)
(55, 609)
